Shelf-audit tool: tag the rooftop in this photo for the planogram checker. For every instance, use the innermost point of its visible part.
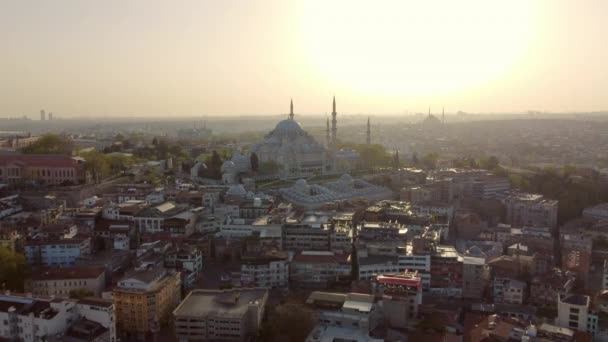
(74, 272)
(575, 299)
(214, 303)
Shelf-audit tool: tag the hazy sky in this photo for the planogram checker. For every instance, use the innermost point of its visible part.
(225, 57)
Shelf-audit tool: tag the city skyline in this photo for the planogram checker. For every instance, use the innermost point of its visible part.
(246, 58)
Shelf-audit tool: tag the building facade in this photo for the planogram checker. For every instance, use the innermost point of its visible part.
(220, 315)
(46, 169)
(145, 299)
(59, 282)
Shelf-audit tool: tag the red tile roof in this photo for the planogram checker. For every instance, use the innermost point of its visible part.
(33, 160)
(76, 272)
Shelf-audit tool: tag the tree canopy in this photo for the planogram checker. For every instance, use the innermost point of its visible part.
(13, 270)
(372, 155)
(50, 144)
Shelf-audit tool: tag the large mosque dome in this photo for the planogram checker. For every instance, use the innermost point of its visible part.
(295, 151)
(288, 127)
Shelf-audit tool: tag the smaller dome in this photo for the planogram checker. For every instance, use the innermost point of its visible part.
(301, 183)
(346, 178)
(228, 166)
(236, 190)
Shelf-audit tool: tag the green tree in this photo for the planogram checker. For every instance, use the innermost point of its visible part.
(287, 322)
(489, 163)
(254, 161)
(430, 160)
(50, 144)
(97, 164)
(119, 162)
(13, 270)
(81, 293)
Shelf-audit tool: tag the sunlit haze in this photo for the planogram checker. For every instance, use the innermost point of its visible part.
(185, 58)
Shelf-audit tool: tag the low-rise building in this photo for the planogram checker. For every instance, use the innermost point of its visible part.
(370, 266)
(224, 315)
(60, 282)
(351, 311)
(265, 269)
(56, 252)
(508, 290)
(152, 219)
(30, 319)
(598, 212)
(316, 269)
(47, 169)
(303, 237)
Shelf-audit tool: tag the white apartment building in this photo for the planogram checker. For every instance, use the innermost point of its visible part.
(598, 212)
(573, 313)
(56, 252)
(370, 266)
(265, 270)
(235, 228)
(508, 291)
(30, 319)
(525, 209)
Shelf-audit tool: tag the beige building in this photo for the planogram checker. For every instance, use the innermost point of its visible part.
(59, 282)
(220, 315)
(144, 300)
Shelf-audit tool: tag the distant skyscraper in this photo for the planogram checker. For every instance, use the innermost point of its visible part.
(368, 139)
(327, 136)
(334, 125)
(42, 115)
(50, 115)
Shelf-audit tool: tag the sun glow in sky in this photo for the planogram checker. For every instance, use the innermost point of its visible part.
(230, 57)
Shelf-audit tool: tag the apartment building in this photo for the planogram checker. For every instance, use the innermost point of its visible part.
(401, 295)
(220, 315)
(59, 282)
(56, 252)
(265, 269)
(523, 209)
(31, 319)
(573, 312)
(316, 269)
(144, 299)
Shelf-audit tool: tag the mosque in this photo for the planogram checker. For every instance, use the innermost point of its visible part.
(297, 152)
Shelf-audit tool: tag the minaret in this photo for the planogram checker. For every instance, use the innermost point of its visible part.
(368, 139)
(327, 136)
(443, 115)
(429, 111)
(334, 123)
(291, 109)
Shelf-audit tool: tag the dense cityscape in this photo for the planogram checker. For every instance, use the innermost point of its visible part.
(303, 171)
(121, 232)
